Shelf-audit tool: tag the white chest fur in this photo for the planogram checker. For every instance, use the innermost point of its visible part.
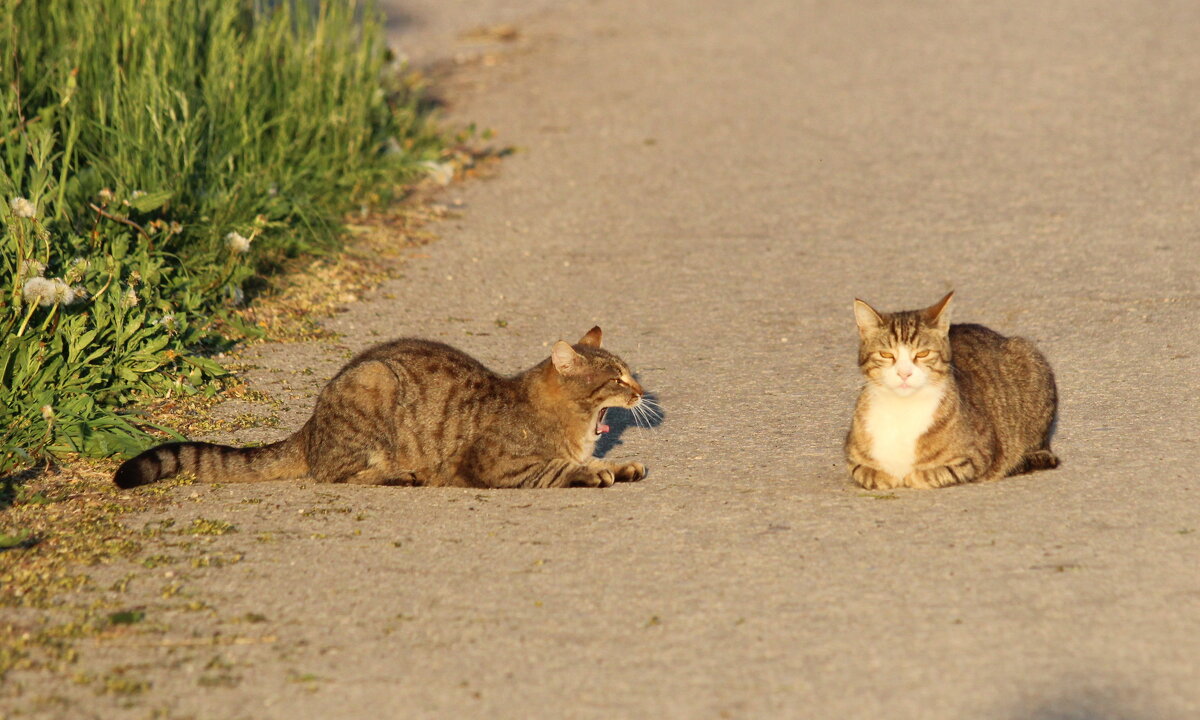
(895, 423)
(587, 447)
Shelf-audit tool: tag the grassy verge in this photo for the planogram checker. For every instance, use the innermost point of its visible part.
(152, 169)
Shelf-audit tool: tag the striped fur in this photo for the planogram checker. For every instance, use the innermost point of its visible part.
(213, 462)
(415, 412)
(946, 404)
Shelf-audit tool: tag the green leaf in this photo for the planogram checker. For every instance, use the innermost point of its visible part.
(151, 201)
(204, 363)
(21, 539)
(127, 617)
(80, 344)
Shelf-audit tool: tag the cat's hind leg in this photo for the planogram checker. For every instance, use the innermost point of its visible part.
(349, 439)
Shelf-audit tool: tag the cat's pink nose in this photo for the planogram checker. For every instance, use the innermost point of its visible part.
(904, 373)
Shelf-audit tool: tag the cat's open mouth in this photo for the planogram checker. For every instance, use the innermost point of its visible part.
(600, 426)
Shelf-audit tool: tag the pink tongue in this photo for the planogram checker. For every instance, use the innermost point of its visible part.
(602, 428)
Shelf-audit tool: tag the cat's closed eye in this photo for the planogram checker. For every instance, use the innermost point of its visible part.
(887, 355)
(922, 354)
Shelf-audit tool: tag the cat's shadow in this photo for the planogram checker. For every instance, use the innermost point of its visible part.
(621, 419)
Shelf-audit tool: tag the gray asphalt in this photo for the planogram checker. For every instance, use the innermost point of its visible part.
(713, 183)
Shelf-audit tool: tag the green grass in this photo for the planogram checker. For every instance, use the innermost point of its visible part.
(143, 145)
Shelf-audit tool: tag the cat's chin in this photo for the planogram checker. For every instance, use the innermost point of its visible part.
(905, 390)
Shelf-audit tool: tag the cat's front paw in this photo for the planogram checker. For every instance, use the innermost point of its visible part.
(591, 477)
(630, 472)
(873, 479)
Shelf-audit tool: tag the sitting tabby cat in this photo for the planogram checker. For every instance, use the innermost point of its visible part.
(413, 412)
(946, 404)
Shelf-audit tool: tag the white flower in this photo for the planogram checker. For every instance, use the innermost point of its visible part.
(106, 196)
(39, 290)
(136, 194)
(176, 228)
(31, 268)
(169, 322)
(63, 293)
(47, 413)
(22, 208)
(440, 173)
(131, 298)
(237, 243)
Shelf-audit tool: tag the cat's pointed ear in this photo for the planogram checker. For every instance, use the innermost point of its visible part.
(939, 313)
(592, 339)
(564, 357)
(868, 320)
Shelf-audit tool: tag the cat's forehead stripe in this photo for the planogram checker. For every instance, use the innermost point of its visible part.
(904, 327)
(603, 359)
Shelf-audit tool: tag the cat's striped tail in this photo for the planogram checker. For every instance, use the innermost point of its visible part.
(214, 463)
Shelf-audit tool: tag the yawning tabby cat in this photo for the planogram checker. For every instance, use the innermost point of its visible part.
(414, 412)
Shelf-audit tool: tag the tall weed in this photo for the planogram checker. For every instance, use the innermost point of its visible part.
(154, 156)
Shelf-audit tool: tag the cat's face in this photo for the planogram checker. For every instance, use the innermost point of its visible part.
(594, 379)
(904, 352)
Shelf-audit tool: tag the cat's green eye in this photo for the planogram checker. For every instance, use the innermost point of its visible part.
(922, 354)
(887, 355)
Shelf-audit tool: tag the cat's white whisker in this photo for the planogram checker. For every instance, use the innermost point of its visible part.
(651, 409)
(645, 416)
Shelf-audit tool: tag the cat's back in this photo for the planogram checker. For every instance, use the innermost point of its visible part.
(1007, 379)
(426, 357)
(974, 340)
(422, 375)
(979, 350)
